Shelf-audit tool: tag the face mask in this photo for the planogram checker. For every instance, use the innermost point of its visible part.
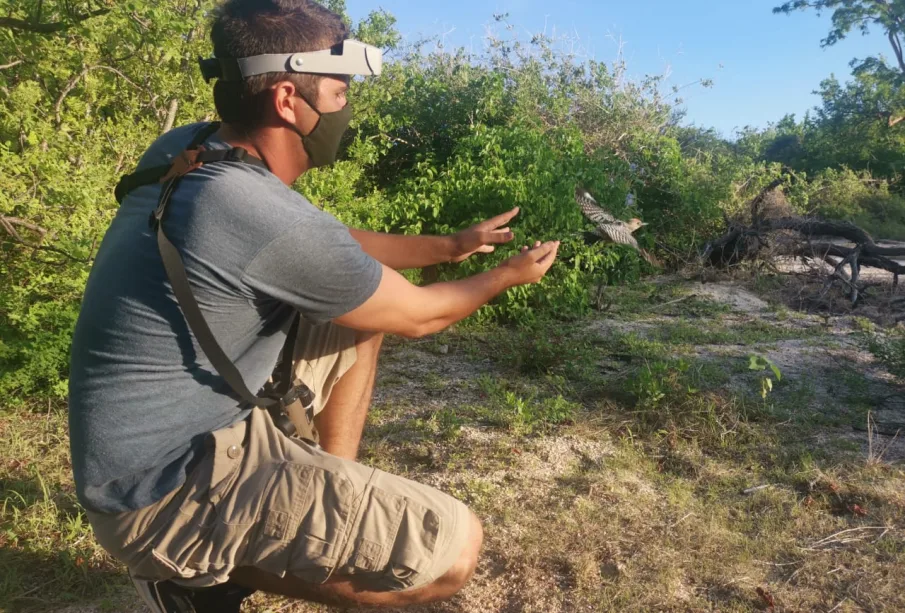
(322, 143)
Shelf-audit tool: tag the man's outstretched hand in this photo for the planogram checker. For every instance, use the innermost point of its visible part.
(481, 238)
(532, 263)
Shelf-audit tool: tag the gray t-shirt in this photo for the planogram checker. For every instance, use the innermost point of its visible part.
(142, 394)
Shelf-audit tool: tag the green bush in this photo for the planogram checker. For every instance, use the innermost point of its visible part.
(859, 198)
(440, 141)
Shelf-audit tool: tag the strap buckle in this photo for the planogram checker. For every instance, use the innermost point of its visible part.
(236, 154)
(184, 163)
(300, 393)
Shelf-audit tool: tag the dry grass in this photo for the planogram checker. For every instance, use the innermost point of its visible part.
(618, 465)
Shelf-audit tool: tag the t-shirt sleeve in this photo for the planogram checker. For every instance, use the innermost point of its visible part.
(317, 267)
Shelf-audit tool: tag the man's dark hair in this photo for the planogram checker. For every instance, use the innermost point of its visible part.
(243, 28)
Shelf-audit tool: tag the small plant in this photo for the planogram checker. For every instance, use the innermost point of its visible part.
(890, 350)
(526, 411)
(761, 363)
(447, 423)
(655, 381)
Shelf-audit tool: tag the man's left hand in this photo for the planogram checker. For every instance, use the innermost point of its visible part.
(481, 238)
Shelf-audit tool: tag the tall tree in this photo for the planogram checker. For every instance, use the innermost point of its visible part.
(862, 15)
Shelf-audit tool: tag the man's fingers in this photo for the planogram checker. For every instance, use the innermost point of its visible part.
(503, 218)
(496, 237)
(543, 251)
(548, 257)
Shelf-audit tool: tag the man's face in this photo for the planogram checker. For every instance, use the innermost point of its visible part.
(331, 97)
(331, 94)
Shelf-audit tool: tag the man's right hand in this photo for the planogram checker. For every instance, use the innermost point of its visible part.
(532, 263)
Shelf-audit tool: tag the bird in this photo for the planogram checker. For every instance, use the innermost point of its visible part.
(608, 228)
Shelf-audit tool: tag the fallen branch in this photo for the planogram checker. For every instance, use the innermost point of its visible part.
(744, 243)
(823, 250)
(841, 229)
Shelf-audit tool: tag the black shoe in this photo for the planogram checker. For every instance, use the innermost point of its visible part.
(169, 597)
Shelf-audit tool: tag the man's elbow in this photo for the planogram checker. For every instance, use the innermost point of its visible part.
(421, 329)
(415, 331)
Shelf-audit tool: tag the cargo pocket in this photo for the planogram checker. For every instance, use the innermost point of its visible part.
(414, 550)
(376, 532)
(193, 543)
(395, 542)
(183, 547)
(184, 550)
(302, 521)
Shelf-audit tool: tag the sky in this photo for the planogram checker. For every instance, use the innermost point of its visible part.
(763, 66)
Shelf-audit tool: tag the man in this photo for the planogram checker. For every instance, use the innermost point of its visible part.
(182, 480)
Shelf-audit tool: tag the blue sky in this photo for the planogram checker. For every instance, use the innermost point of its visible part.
(763, 65)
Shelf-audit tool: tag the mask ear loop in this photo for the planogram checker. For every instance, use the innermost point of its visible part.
(313, 108)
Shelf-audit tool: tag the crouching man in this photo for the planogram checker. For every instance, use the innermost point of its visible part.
(202, 494)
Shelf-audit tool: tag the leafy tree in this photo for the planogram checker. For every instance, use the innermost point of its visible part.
(84, 87)
(861, 15)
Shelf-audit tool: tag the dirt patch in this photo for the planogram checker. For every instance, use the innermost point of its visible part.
(732, 295)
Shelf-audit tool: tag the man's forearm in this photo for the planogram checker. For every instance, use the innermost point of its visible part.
(398, 307)
(446, 303)
(399, 251)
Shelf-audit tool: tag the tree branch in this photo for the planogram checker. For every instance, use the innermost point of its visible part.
(10, 65)
(171, 115)
(816, 227)
(48, 28)
(7, 224)
(897, 48)
(824, 250)
(74, 81)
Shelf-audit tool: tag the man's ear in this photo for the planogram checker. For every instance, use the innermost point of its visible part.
(286, 104)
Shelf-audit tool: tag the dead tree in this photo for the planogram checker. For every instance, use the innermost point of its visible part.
(768, 236)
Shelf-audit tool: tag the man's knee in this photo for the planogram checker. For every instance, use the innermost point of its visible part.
(462, 570)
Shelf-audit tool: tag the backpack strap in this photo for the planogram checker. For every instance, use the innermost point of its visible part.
(285, 396)
(160, 174)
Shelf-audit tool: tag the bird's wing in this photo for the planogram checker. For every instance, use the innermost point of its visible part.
(590, 208)
(617, 233)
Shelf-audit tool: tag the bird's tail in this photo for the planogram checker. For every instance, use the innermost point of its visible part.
(650, 258)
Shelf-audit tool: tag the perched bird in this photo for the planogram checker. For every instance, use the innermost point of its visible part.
(608, 228)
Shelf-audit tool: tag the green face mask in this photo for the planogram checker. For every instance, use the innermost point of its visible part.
(322, 143)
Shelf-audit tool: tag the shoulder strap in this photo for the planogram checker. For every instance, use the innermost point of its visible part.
(277, 396)
(158, 174)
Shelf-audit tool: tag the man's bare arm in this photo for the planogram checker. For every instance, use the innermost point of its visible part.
(398, 307)
(400, 252)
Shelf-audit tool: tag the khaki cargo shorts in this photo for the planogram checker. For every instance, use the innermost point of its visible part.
(259, 498)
